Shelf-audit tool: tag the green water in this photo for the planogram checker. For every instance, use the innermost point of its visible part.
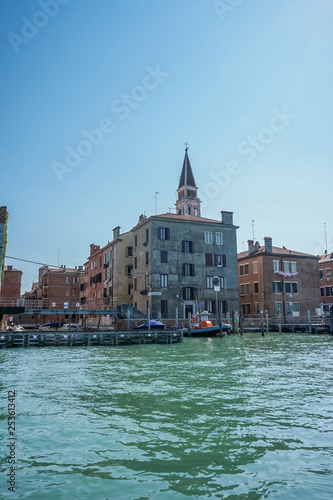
(243, 417)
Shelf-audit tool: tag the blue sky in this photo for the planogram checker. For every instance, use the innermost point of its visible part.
(247, 83)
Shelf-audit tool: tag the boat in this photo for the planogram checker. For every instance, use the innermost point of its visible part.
(71, 327)
(202, 327)
(15, 328)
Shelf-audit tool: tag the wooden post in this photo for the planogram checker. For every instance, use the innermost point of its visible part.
(233, 320)
(241, 320)
(292, 321)
(331, 319)
(266, 313)
(189, 326)
(279, 323)
(262, 324)
(148, 311)
(236, 322)
(309, 321)
(176, 318)
(115, 323)
(128, 320)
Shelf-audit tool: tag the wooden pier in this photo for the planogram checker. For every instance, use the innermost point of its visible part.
(71, 339)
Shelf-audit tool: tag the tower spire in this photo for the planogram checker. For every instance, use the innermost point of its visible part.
(188, 202)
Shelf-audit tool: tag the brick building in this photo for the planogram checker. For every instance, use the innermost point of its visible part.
(10, 292)
(177, 255)
(277, 280)
(91, 282)
(326, 281)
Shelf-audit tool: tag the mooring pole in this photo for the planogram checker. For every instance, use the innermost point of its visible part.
(262, 324)
(148, 315)
(176, 318)
(292, 322)
(128, 320)
(189, 325)
(309, 321)
(266, 313)
(279, 323)
(331, 319)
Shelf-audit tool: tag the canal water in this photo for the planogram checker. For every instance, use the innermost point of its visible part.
(242, 417)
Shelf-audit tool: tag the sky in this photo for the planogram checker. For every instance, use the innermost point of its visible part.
(99, 97)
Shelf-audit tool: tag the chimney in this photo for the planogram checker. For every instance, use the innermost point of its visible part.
(9, 268)
(268, 244)
(116, 232)
(251, 245)
(227, 218)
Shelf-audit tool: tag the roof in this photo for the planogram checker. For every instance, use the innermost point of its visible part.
(185, 217)
(13, 270)
(275, 251)
(325, 259)
(186, 177)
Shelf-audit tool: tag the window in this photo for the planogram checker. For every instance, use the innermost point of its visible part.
(188, 293)
(276, 266)
(246, 308)
(209, 259)
(146, 280)
(328, 273)
(129, 270)
(278, 307)
(321, 274)
(220, 260)
(147, 235)
(91, 265)
(289, 307)
(136, 240)
(129, 289)
(187, 246)
(164, 307)
(164, 280)
(210, 306)
(188, 269)
(164, 257)
(256, 308)
(277, 286)
(163, 233)
(147, 258)
(329, 291)
(245, 289)
(219, 238)
(322, 292)
(67, 280)
(293, 267)
(244, 269)
(256, 287)
(129, 251)
(208, 237)
(96, 263)
(75, 279)
(135, 262)
(209, 282)
(287, 286)
(135, 283)
(295, 287)
(255, 267)
(296, 307)
(286, 266)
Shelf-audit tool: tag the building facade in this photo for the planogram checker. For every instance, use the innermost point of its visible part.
(277, 280)
(10, 292)
(178, 258)
(118, 269)
(3, 227)
(326, 281)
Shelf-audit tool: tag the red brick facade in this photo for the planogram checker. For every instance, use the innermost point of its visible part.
(11, 287)
(326, 280)
(277, 280)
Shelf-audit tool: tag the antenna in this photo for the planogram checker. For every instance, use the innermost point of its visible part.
(156, 198)
(253, 229)
(58, 257)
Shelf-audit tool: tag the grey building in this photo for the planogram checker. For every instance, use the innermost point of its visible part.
(177, 255)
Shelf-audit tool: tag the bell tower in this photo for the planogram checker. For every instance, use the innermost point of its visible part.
(188, 202)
